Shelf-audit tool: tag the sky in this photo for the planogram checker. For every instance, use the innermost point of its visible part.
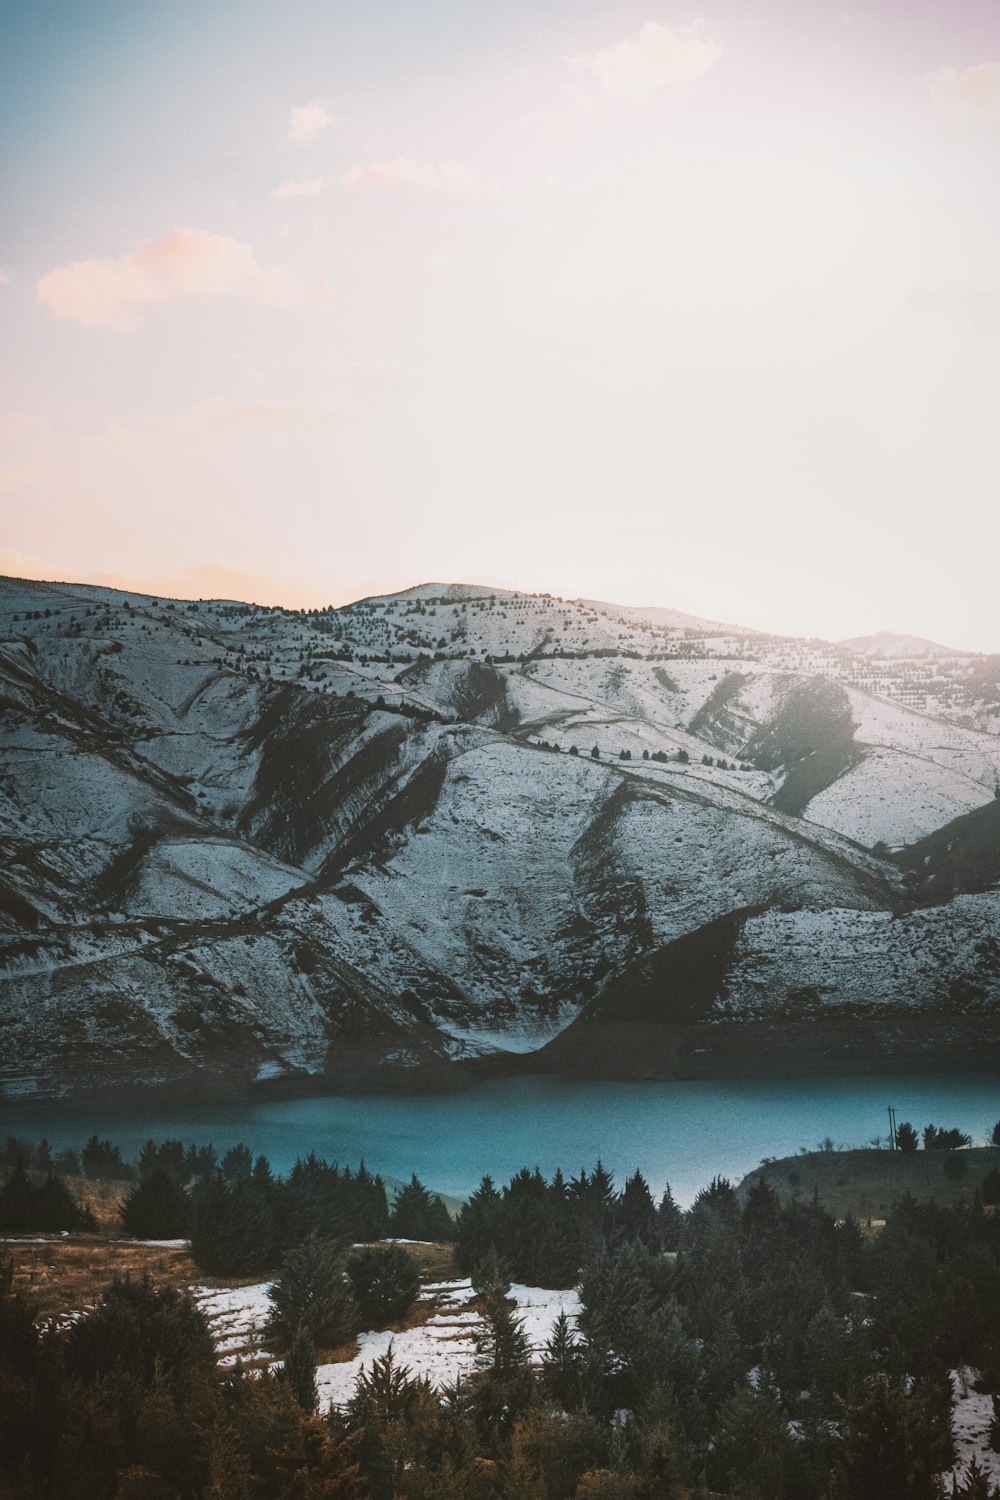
(694, 305)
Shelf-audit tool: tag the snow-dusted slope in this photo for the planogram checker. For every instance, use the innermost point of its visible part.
(247, 843)
(894, 647)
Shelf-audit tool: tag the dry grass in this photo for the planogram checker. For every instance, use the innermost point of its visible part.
(436, 1262)
(62, 1274)
(103, 1198)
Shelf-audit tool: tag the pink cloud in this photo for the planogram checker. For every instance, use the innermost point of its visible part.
(974, 92)
(188, 263)
(308, 189)
(451, 177)
(308, 121)
(656, 58)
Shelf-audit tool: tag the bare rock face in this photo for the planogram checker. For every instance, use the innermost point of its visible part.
(453, 829)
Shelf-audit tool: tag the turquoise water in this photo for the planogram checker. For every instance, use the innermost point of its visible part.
(681, 1133)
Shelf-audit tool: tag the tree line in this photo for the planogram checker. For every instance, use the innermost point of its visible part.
(742, 1348)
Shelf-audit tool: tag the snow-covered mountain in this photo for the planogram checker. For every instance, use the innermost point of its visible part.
(418, 835)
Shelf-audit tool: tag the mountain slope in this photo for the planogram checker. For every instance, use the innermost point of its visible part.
(378, 844)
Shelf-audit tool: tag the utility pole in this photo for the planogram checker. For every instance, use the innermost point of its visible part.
(892, 1129)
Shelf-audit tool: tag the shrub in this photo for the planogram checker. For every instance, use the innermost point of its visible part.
(990, 1188)
(384, 1281)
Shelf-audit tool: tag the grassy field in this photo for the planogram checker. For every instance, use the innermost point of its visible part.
(867, 1183)
(63, 1273)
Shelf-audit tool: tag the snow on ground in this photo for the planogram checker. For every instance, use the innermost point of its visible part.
(896, 798)
(156, 1244)
(236, 1317)
(967, 752)
(142, 735)
(799, 962)
(443, 1348)
(971, 1418)
(209, 877)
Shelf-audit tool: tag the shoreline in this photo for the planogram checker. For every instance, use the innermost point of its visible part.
(632, 1053)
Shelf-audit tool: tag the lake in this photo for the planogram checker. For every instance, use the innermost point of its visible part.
(683, 1133)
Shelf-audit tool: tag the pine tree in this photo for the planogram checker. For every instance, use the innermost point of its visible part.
(615, 1301)
(237, 1163)
(419, 1215)
(311, 1293)
(973, 1485)
(478, 1225)
(157, 1208)
(892, 1447)
(17, 1201)
(102, 1159)
(233, 1227)
(761, 1211)
(562, 1365)
(669, 1221)
(299, 1369)
(228, 1475)
(655, 1447)
(504, 1384)
(753, 1448)
(635, 1217)
(46, 1208)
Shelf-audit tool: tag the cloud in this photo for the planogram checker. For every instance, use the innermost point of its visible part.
(450, 177)
(188, 263)
(974, 92)
(308, 189)
(308, 121)
(656, 58)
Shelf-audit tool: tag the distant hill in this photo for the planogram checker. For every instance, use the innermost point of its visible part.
(891, 647)
(868, 1183)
